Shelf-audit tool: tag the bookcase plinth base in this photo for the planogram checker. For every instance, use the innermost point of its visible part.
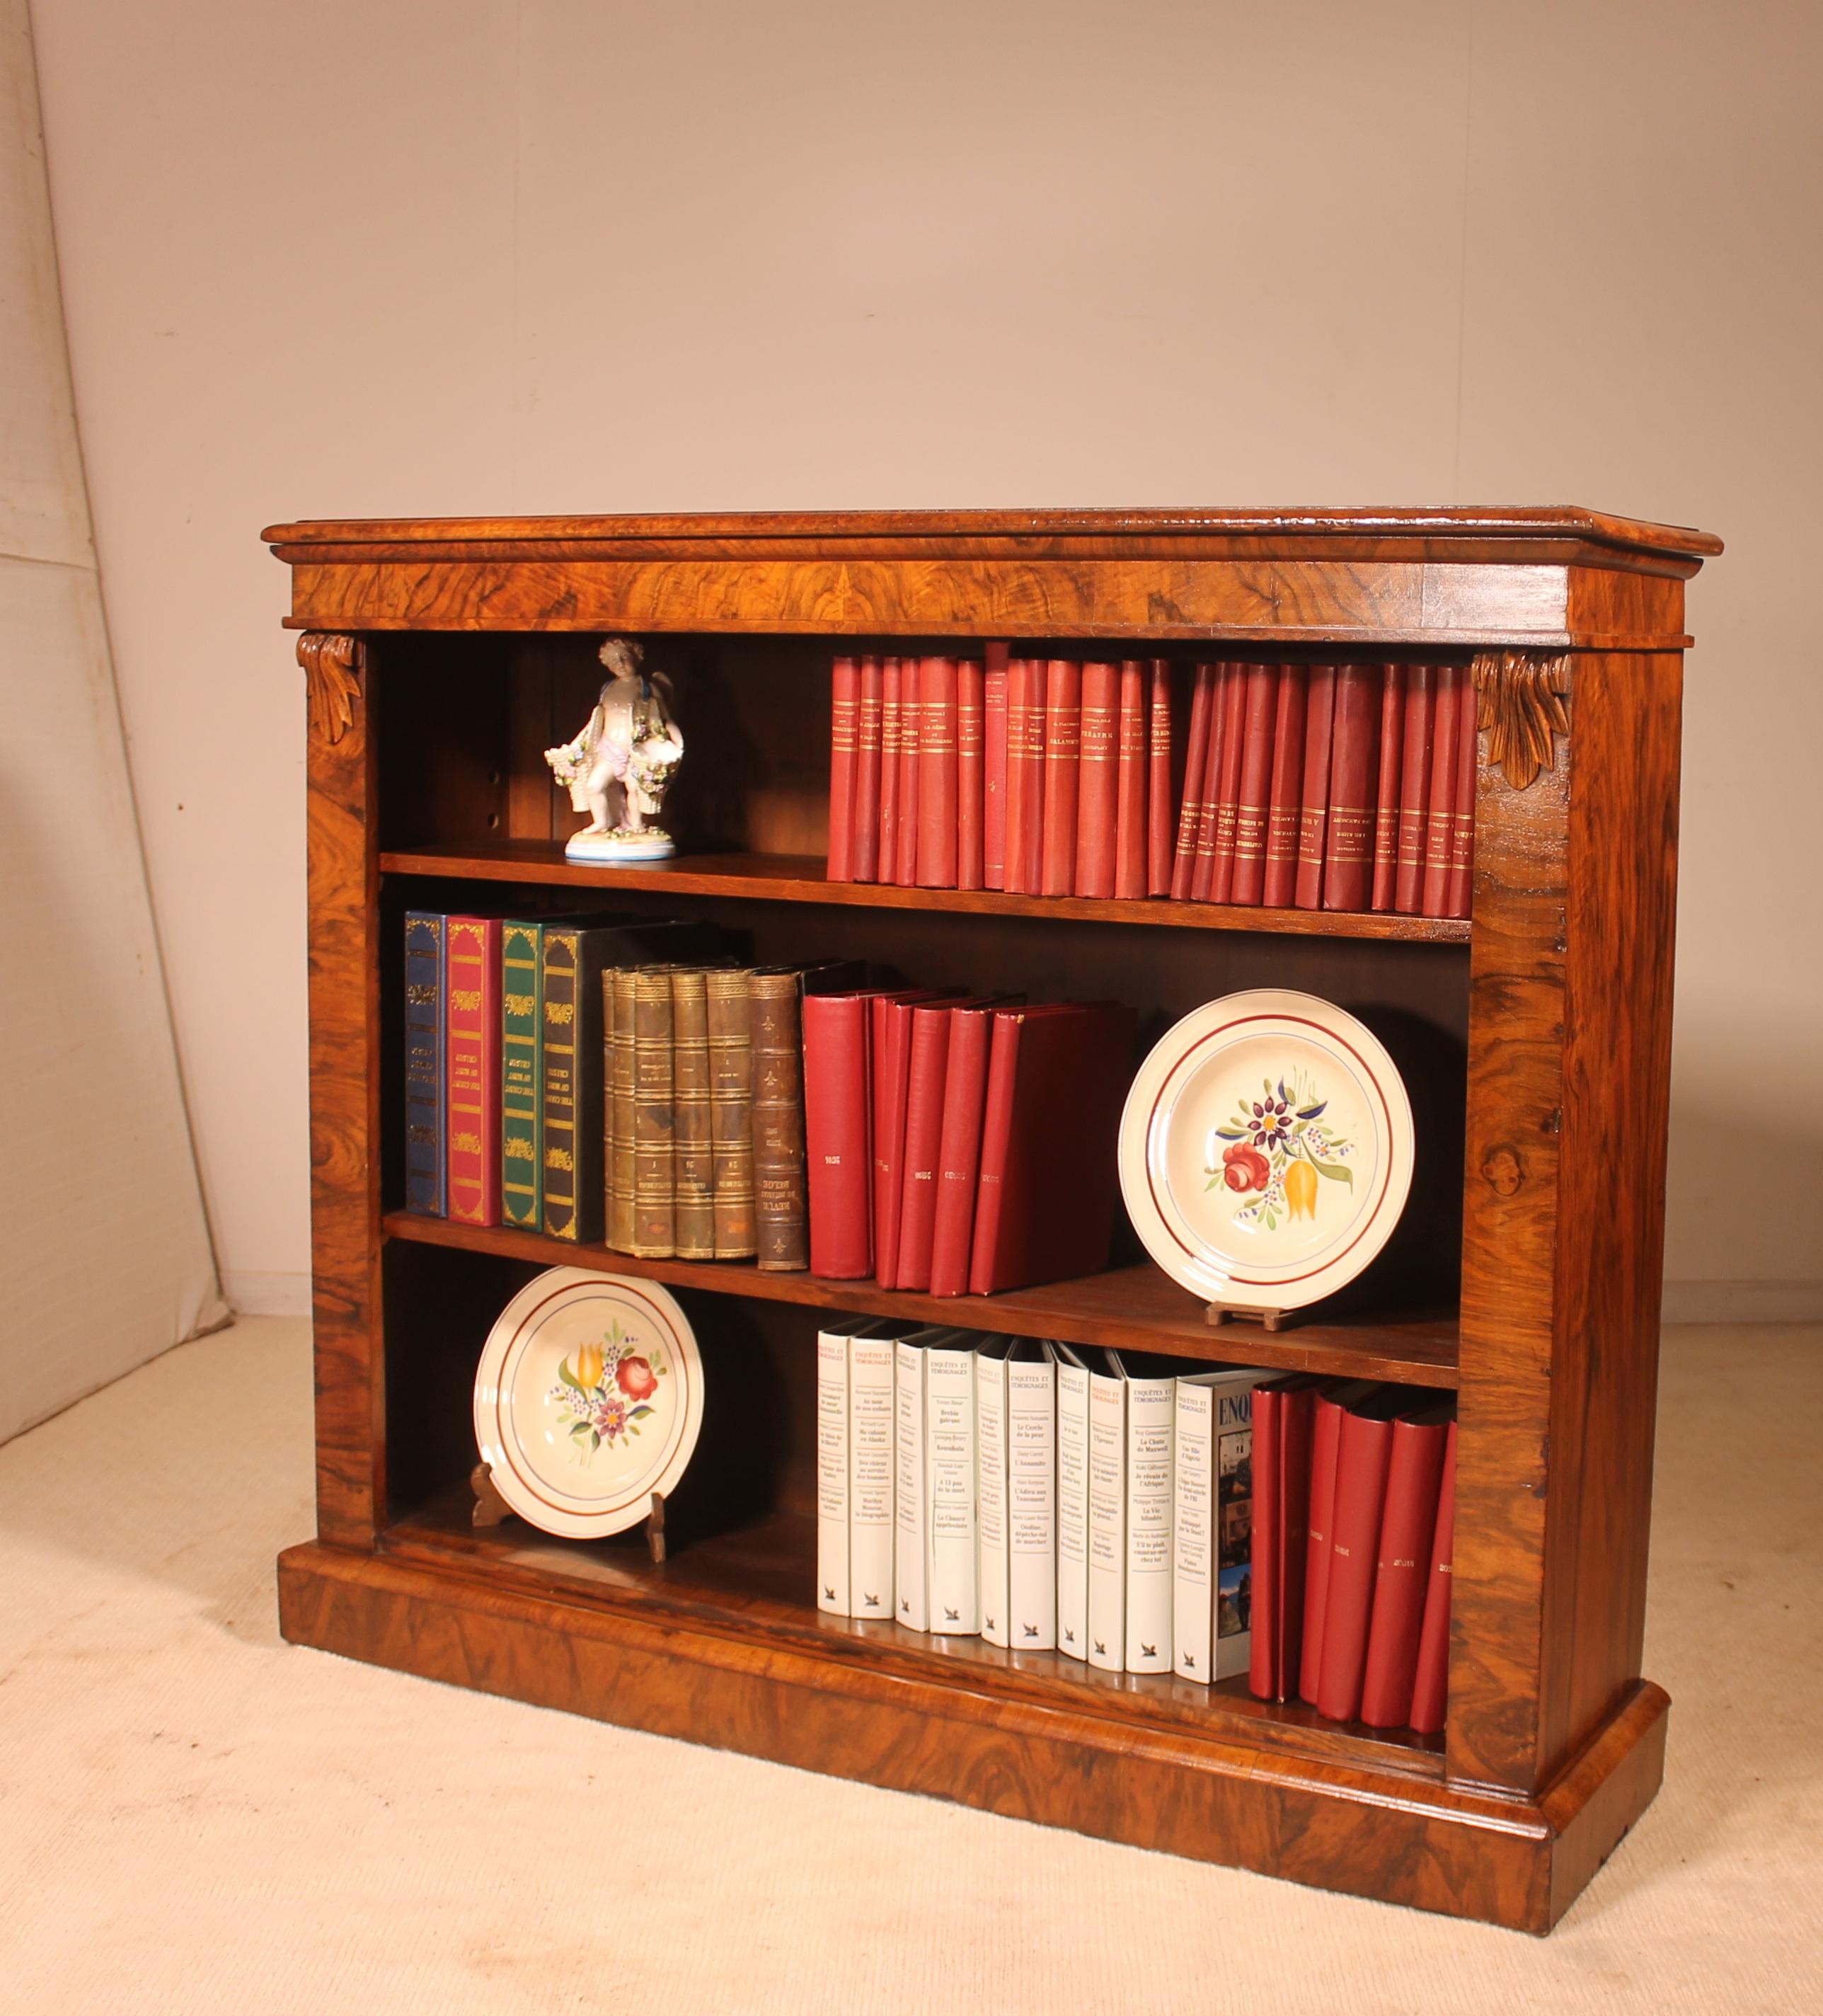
(1367, 1829)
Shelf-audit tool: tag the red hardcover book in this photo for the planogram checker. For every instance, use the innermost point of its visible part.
(844, 710)
(1313, 811)
(970, 734)
(1286, 802)
(1025, 776)
(1132, 756)
(1348, 846)
(1414, 787)
(1208, 790)
(865, 857)
(1430, 1686)
(472, 1069)
(1440, 802)
(1063, 775)
(1190, 812)
(1325, 1441)
(958, 1159)
(889, 1063)
(1403, 1569)
(939, 798)
(928, 1062)
(1283, 1413)
(1386, 800)
(1461, 887)
(1057, 1077)
(1228, 793)
(891, 691)
(1098, 781)
(994, 771)
(910, 731)
(1362, 1459)
(1260, 718)
(838, 1158)
(1157, 782)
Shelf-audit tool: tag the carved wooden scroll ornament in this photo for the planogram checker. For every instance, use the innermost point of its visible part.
(1519, 701)
(332, 677)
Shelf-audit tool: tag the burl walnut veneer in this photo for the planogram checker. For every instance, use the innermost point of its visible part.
(438, 665)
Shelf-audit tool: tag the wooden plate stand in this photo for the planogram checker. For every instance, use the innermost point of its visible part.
(441, 659)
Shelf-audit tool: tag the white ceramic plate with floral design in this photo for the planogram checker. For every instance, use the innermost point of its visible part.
(1266, 1150)
(588, 1399)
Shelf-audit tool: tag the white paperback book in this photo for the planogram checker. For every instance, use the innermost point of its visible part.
(991, 1487)
(1212, 1523)
(1107, 1496)
(871, 1403)
(1072, 1503)
(1151, 1405)
(949, 1487)
(832, 1584)
(911, 1591)
(1031, 1497)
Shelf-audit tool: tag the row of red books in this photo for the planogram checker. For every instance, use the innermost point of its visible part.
(1353, 1531)
(1045, 777)
(1334, 787)
(959, 1144)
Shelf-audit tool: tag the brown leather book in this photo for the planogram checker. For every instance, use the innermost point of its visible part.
(1063, 775)
(1253, 803)
(621, 1193)
(1386, 798)
(654, 1121)
(1348, 846)
(1158, 799)
(781, 1200)
(1132, 836)
(694, 1175)
(610, 1172)
(731, 1111)
(1280, 886)
(1098, 788)
(1190, 810)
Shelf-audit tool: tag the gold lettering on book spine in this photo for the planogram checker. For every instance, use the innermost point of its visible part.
(1521, 704)
(333, 665)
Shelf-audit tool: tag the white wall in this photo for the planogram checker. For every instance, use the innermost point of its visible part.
(325, 258)
(104, 1251)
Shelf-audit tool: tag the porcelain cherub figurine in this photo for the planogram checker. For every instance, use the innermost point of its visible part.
(619, 768)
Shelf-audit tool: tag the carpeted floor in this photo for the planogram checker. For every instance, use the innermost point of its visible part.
(194, 1817)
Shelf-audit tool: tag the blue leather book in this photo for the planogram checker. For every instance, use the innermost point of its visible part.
(426, 1162)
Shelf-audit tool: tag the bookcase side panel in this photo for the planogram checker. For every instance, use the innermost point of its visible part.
(1517, 1011)
(1622, 922)
(345, 1102)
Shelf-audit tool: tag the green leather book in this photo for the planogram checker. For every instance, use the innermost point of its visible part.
(521, 1072)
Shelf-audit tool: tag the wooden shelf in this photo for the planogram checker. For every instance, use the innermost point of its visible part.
(791, 878)
(755, 1584)
(1131, 1308)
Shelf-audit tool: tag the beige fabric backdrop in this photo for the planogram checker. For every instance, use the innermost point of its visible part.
(544, 255)
(104, 1254)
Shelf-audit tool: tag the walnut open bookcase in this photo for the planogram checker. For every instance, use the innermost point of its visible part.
(440, 660)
